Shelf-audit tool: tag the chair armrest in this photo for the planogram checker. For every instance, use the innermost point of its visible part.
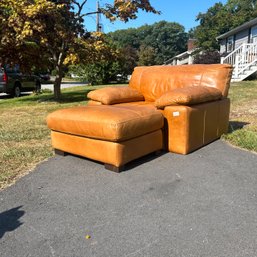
(115, 95)
(191, 127)
(188, 96)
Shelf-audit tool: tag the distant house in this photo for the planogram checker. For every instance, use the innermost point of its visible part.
(186, 57)
(239, 48)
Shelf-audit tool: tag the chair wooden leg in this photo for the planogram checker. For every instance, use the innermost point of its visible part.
(113, 168)
(60, 152)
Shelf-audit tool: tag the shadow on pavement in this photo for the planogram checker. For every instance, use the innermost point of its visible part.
(147, 158)
(131, 165)
(9, 220)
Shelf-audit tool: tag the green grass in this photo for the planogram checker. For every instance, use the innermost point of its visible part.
(243, 115)
(25, 138)
(69, 95)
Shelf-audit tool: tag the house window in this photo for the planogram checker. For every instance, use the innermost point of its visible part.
(254, 34)
(230, 44)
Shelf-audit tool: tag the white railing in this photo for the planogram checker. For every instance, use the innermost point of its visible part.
(241, 58)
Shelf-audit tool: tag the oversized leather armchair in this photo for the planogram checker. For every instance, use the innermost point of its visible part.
(176, 108)
(192, 98)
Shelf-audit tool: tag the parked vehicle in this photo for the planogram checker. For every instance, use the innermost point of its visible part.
(3, 79)
(44, 76)
(13, 82)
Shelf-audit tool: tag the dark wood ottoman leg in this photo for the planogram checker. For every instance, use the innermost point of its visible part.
(60, 152)
(113, 168)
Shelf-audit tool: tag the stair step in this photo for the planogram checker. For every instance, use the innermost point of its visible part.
(244, 74)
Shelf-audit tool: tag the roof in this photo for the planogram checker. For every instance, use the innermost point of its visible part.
(181, 55)
(239, 28)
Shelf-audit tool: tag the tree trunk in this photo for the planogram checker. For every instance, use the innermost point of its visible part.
(57, 82)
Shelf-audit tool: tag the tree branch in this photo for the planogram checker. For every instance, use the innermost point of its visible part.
(80, 6)
(83, 3)
(89, 13)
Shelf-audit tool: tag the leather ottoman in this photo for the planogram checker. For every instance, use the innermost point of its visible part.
(114, 135)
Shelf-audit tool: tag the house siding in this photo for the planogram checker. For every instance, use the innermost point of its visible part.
(238, 47)
(223, 46)
(241, 37)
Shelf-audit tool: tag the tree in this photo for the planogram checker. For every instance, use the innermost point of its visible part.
(54, 29)
(125, 37)
(146, 55)
(216, 21)
(128, 58)
(98, 60)
(165, 39)
(168, 39)
(105, 62)
(221, 18)
(20, 23)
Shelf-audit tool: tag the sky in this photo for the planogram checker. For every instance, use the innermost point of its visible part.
(182, 11)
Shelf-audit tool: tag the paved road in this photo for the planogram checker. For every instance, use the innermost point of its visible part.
(64, 85)
(47, 86)
(202, 204)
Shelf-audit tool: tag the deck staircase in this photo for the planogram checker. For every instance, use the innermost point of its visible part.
(244, 61)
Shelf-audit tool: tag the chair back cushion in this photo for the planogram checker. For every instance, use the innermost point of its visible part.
(154, 81)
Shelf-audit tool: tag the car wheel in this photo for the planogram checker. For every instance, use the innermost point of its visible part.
(38, 86)
(17, 91)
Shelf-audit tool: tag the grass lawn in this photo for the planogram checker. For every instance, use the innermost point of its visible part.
(25, 138)
(243, 115)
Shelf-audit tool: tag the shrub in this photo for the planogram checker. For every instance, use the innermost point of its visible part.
(207, 57)
(97, 73)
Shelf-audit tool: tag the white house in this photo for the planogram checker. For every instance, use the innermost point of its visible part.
(185, 57)
(239, 48)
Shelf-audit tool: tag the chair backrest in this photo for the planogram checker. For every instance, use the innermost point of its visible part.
(154, 81)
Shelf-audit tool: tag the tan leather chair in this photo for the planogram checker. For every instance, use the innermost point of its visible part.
(190, 124)
(121, 124)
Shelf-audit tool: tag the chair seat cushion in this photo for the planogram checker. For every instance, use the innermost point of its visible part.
(112, 123)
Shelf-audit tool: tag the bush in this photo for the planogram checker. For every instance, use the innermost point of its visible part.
(207, 57)
(98, 73)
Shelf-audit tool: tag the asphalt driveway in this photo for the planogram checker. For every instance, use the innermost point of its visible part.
(201, 204)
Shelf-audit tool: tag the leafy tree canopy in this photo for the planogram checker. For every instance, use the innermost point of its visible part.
(161, 41)
(50, 31)
(222, 18)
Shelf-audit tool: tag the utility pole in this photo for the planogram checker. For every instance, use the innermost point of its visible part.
(98, 26)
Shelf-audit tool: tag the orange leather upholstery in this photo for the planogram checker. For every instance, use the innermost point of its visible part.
(188, 96)
(92, 102)
(106, 122)
(115, 153)
(135, 80)
(154, 81)
(121, 132)
(190, 127)
(115, 95)
(113, 135)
